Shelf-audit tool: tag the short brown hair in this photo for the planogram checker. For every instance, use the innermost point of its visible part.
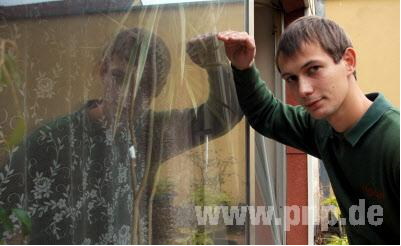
(127, 45)
(313, 29)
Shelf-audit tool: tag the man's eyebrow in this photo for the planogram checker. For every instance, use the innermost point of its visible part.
(308, 63)
(285, 74)
(303, 66)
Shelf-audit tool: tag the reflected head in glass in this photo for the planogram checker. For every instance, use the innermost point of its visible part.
(139, 57)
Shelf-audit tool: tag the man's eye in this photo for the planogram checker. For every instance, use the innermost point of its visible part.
(291, 79)
(313, 70)
(118, 76)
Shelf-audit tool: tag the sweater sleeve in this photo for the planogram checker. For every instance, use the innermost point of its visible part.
(290, 125)
(181, 130)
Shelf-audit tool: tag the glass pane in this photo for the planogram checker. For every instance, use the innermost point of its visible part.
(265, 194)
(268, 179)
(117, 120)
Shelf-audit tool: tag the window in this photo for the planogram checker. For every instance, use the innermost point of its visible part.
(116, 124)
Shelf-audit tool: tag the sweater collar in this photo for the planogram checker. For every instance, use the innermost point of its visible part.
(379, 106)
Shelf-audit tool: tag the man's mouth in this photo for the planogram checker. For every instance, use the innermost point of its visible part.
(312, 105)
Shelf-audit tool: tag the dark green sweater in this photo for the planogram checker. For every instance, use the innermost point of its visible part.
(362, 163)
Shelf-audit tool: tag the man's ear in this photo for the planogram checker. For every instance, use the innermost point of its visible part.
(349, 57)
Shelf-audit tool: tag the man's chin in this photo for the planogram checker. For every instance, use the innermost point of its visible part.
(318, 115)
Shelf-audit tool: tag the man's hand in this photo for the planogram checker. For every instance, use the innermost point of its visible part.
(203, 50)
(240, 48)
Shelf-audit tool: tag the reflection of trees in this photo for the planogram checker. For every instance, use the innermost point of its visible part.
(207, 189)
(163, 211)
(18, 229)
(178, 224)
(165, 220)
(10, 78)
(212, 174)
(214, 171)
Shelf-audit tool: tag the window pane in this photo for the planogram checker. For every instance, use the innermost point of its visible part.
(117, 120)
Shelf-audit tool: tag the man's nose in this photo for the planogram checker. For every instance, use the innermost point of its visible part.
(305, 88)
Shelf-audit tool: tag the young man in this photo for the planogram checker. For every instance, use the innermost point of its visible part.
(356, 135)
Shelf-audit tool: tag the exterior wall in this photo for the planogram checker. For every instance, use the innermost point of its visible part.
(374, 29)
(297, 193)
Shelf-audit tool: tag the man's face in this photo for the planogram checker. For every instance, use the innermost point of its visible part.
(114, 79)
(316, 81)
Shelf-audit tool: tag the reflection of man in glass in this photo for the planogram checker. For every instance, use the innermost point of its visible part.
(88, 177)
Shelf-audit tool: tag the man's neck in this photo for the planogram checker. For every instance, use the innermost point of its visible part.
(354, 106)
(103, 111)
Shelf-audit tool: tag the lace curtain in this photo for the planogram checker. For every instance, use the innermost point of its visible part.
(116, 121)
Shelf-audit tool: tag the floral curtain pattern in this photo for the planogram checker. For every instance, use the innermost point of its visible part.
(115, 124)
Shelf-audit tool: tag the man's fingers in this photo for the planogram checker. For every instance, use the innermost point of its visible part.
(226, 36)
(223, 36)
(231, 38)
(240, 48)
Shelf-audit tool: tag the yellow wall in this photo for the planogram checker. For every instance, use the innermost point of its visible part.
(374, 28)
